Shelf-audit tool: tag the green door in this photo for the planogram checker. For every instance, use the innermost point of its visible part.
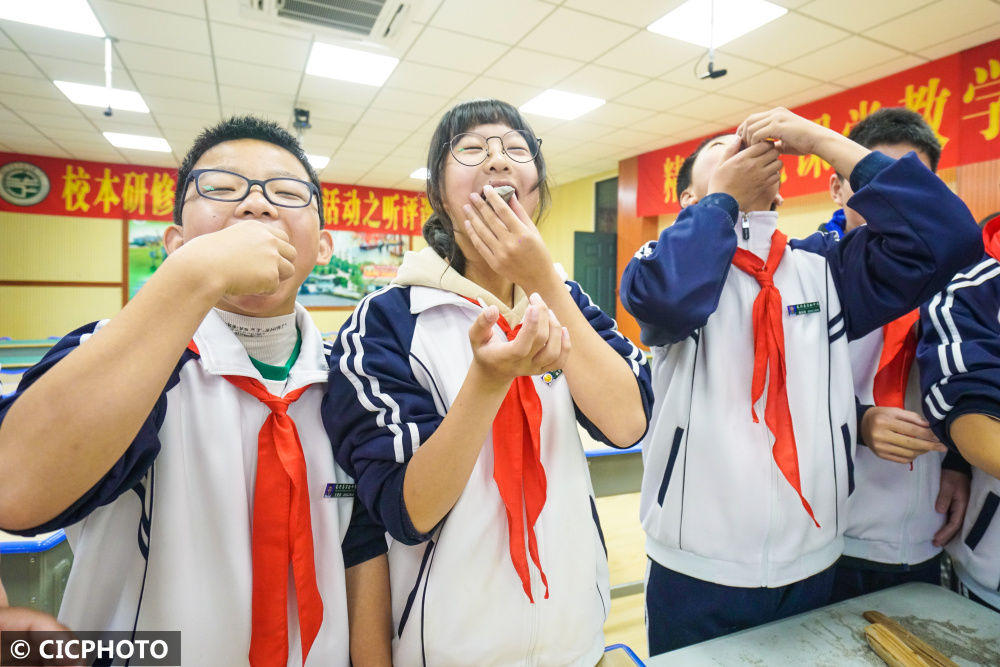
(594, 258)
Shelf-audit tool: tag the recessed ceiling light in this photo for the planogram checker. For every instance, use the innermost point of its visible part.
(138, 142)
(420, 174)
(70, 15)
(336, 62)
(559, 104)
(318, 161)
(712, 23)
(97, 96)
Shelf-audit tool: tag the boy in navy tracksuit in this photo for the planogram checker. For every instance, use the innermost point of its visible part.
(749, 455)
(911, 496)
(959, 357)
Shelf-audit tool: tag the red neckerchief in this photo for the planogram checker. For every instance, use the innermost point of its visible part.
(991, 238)
(769, 361)
(281, 534)
(899, 349)
(517, 467)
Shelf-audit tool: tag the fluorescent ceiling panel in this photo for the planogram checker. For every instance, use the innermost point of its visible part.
(420, 174)
(337, 62)
(318, 161)
(138, 142)
(559, 104)
(70, 15)
(712, 23)
(99, 96)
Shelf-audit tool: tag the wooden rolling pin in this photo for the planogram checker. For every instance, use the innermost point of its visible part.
(928, 653)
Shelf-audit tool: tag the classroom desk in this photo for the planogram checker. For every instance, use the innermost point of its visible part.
(34, 570)
(834, 636)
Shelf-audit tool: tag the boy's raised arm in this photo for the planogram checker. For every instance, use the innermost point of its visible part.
(61, 434)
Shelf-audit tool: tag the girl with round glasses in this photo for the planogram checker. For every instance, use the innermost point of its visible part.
(456, 405)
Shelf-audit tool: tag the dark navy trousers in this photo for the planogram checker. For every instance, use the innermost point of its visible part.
(682, 610)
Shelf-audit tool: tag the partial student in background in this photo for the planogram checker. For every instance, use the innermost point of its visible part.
(959, 357)
(910, 496)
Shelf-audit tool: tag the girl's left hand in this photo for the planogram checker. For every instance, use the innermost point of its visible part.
(508, 240)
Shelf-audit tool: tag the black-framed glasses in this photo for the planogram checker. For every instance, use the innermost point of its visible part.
(222, 185)
(471, 149)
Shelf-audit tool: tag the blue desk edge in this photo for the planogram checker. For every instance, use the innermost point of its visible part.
(32, 546)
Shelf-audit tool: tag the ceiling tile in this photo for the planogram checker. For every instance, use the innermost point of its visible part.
(36, 40)
(60, 69)
(617, 115)
(259, 47)
(259, 77)
(657, 95)
(159, 85)
(195, 8)
(205, 109)
(51, 121)
(936, 23)
(135, 124)
(581, 131)
(184, 64)
(485, 87)
(243, 100)
(878, 70)
(808, 95)
(506, 24)
(417, 103)
(576, 35)
(857, 15)
(33, 86)
(768, 85)
(27, 105)
(688, 74)
(172, 30)
(712, 107)
(668, 124)
(443, 48)
(426, 79)
(629, 138)
(367, 136)
(15, 62)
(601, 82)
(387, 118)
(649, 53)
(533, 67)
(329, 115)
(784, 39)
(965, 41)
(319, 90)
(849, 55)
(639, 13)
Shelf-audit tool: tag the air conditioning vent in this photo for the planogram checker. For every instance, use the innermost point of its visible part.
(345, 20)
(357, 16)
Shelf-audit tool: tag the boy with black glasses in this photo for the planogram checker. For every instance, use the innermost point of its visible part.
(180, 443)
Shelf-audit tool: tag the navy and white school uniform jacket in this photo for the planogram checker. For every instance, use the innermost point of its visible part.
(162, 542)
(959, 357)
(890, 516)
(456, 597)
(714, 504)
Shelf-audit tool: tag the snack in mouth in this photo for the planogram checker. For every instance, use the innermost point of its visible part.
(505, 191)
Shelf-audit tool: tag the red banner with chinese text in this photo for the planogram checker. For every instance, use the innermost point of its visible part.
(57, 186)
(958, 96)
